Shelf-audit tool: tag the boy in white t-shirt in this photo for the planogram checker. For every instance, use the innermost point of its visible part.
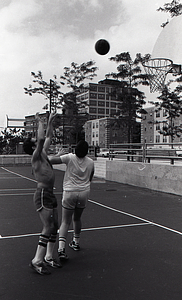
(76, 189)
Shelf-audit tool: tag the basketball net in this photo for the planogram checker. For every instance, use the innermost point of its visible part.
(157, 68)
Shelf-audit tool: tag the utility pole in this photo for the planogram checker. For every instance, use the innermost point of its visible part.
(63, 112)
(50, 97)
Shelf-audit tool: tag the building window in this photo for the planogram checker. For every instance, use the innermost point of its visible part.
(101, 89)
(92, 110)
(158, 114)
(101, 96)
(113, 104)
(93, 87)
(93, 95)
(164, 125)
(164, 139)
(93, 125)
(158, 127)
(157, 139)
(97, 125)
(113, 112)
(93, 102)
(101, 110)
(164, 113)
(101, 103)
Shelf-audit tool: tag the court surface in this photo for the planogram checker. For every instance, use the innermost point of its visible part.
(131, 243)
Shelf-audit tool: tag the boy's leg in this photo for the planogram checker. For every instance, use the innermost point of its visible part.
(53, 236)
(63, 230)
(77, 224)
(46, 218)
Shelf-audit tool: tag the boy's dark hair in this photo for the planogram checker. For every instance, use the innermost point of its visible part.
(81, 149)
(27, 146)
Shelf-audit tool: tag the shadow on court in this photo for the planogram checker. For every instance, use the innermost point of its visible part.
(131, 244)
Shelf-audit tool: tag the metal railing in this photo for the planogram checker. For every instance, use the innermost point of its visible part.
(145, 152)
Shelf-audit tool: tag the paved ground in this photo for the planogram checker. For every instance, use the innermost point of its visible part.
(131, 244)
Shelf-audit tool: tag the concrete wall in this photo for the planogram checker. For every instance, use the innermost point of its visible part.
(6, 160)
(165, 178)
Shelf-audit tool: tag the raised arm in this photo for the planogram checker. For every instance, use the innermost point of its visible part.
(92, 174)
(49, 132)
(40, 137)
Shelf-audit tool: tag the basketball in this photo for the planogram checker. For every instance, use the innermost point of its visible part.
(102, 47)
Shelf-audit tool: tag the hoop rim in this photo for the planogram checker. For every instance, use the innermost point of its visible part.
(158, 59)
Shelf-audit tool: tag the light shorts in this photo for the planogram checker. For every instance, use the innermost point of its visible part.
(72, 200)
(44, 198)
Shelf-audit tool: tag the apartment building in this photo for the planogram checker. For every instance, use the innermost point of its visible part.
(100, 100)
(100, 132)
(152, 123)
(31, 124)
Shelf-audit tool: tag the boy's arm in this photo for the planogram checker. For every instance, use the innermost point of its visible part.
(40, 138)
(56, 159)
(49, 132)
(92, 174)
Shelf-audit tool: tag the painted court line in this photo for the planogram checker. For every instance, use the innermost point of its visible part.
(25, 194)
(138, 218)
(83, 229)
(18, 174)
(7, 190)
(22, 194)
(107, 207)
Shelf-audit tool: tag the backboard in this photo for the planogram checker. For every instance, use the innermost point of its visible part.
(169, 42)
(166, 55)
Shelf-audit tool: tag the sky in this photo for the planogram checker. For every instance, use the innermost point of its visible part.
(48, 35)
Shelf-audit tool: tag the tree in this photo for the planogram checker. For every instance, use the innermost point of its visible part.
(50, 90)
(130, 99)
(11, 138)
(174, 8)
(74, 77)
(2, 144)
(170, 101)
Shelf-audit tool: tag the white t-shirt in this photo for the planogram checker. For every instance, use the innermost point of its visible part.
(78, 171)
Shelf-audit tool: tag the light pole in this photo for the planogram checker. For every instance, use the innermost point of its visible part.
(63, 113)
(50, 97)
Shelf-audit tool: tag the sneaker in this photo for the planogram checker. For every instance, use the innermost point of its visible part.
(40, 268)
(62, 255)
(74, 246)
(52, 263)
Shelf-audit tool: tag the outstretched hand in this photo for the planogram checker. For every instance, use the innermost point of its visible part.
(37, 117)
(52, 116)
(61, 152)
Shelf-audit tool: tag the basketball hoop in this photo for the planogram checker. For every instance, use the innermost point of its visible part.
(157, 68)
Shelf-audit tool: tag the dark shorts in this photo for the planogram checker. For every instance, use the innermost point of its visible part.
(44, 198)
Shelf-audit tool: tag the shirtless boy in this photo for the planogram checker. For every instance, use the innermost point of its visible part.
(44, 199)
